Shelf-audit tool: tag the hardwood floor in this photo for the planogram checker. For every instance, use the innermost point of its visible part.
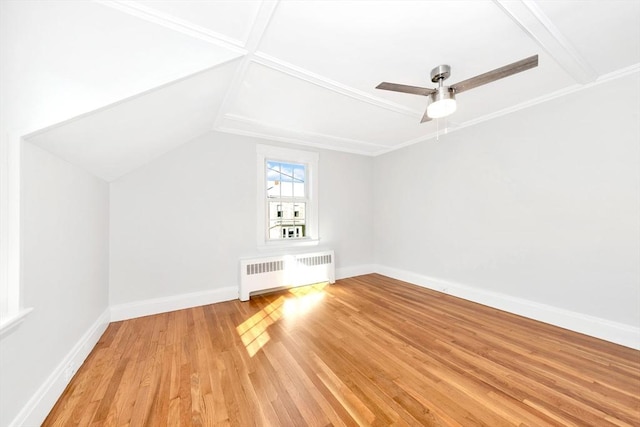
(366, 351)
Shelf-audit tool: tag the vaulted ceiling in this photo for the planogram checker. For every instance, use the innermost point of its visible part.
(115, 84)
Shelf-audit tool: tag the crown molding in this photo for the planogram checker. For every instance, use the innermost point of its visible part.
(288, 140)
(532, 20)
(168, 21)
(252, 122)
(265, 130)
(623, 72)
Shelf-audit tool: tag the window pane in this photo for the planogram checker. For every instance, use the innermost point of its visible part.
(299, 180)
(275, 228)
(274, 179)
(286, 189)
(285, 179)
(287, 220)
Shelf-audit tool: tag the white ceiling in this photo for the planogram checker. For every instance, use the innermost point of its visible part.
(121, 82)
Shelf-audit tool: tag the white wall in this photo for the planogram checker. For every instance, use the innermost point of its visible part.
(180, 224)
(542, 204)
(346, 203)
(65, 276)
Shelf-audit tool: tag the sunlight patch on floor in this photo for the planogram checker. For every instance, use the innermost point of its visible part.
(305, 298)
(300, 301)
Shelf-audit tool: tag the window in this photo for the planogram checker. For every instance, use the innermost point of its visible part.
(287, 197)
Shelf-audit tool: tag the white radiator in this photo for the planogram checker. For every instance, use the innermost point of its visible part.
(260, 274)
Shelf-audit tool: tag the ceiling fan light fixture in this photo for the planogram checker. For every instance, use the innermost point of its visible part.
(442, 103)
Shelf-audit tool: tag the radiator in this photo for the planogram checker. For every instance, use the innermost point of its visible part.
(261, 274)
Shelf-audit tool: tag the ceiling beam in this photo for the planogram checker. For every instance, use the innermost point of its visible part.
(528, 16)
(256, 33)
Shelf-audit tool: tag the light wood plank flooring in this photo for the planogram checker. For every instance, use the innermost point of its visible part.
(366, 351)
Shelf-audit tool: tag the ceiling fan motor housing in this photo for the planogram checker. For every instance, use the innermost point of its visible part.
(441, 72)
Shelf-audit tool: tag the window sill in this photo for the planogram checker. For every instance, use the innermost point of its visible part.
(12, 322)
(283, 244)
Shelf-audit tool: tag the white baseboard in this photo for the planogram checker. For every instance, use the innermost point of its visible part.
(172, 303)
(177, 302)
(356, 270)
(41, 403)
(619, 333)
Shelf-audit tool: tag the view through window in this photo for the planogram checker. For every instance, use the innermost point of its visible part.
(287, 199)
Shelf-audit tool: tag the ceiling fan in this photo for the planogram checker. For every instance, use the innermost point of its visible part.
(442, 100)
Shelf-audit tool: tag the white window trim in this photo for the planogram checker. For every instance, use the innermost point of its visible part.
(309, 158)
(11, 311)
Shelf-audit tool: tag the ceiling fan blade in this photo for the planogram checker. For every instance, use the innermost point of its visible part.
(498, 73)
(425, 117)
(416, 90)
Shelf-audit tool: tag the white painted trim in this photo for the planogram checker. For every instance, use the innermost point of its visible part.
(533, 21)
(261, 22)
(196, 299)
(175, 302)
(289, 140)
(354, 270)
(41, 403)
(169, 21)
(279, 245)
(608, 330)
(311, 160)
(6, 206)
(617, 74)
(10, 158)
(301, 135)
(9, 323)
(258, 28)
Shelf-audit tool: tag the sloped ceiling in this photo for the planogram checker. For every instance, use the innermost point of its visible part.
(126, 81)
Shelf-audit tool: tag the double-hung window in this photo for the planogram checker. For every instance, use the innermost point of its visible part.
(287, 200)
(287, 197)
